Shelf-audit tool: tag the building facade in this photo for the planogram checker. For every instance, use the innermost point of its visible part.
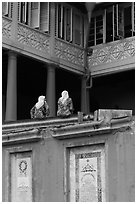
(46, 46)
(87, 49)
(71, 159)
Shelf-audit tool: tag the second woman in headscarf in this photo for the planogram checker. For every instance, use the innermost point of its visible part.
(65, 105)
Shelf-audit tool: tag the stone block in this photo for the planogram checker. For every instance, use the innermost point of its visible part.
(107, 115)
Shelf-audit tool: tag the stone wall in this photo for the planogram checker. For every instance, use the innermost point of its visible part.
(91, 158)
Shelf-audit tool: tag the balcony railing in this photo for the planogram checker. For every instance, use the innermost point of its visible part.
(104, 56)
(33, 38)
(36, 42)
(112, 54)
(67, 52)
(6, 27)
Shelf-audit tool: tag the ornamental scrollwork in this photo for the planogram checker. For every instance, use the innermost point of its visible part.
(23, 166)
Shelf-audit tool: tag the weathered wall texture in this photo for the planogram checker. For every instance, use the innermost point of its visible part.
(56, 163)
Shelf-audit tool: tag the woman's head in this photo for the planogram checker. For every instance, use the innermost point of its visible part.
(41, 98)
(65, 94)
(40, 102)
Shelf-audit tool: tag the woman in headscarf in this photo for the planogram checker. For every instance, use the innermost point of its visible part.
(65, 105)
(40, 109)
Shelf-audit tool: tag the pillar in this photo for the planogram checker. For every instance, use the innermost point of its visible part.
(11, 97)
(50, 94)
(83, 95)
(88, 100)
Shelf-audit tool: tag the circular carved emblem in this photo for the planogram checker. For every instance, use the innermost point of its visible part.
(23, 166)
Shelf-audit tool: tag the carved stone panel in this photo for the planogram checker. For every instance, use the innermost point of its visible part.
(21, 177)
(87, 174)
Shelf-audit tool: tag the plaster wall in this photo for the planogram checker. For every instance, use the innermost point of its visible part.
(50, 159)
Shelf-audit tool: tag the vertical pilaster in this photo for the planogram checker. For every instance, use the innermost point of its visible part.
(11, 99)
(50, 95)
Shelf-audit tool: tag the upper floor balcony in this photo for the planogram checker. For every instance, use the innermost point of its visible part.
(62, 40)
(112, 57)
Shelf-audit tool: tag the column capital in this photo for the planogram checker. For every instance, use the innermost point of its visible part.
(12, 53)
(52, 65)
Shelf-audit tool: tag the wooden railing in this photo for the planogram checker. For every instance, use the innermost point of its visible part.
(6, 27)
(113, 54)
(32, 41)
(105, 57)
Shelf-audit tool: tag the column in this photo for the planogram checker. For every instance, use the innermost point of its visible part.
(11, 99)
(83, 95)
(88, 100)
(50, 94)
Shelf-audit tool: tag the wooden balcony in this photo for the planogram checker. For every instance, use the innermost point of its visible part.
(42, 46)
(106, 58)
(113, 57)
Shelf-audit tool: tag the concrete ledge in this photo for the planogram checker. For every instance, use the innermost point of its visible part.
(103, 121)
(21, 137)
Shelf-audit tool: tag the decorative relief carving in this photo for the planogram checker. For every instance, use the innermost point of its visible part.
(87, 181)
(69, 53)
(112, 52)
(21, 177)
(87, 177)
(6, 27)
(32, 38)
(23, 166)
(23, 181)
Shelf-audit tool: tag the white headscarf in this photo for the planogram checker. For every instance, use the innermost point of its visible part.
(64, 97)
(40, 101)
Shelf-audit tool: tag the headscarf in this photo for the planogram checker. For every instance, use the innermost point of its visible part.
(64, 97)
(40, 101)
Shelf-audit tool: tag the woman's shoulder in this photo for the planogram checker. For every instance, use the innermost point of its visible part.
(60, 99)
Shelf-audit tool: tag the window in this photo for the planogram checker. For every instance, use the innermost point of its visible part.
(129, 20)
(44, 16)
(113, 23)
(7, 9)
(64, 23)
(96, 31)
(34, 14)
(77, 29)
(24, 12)
(99, 29)
(40, 15)
(69, 25)
(61, 21)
